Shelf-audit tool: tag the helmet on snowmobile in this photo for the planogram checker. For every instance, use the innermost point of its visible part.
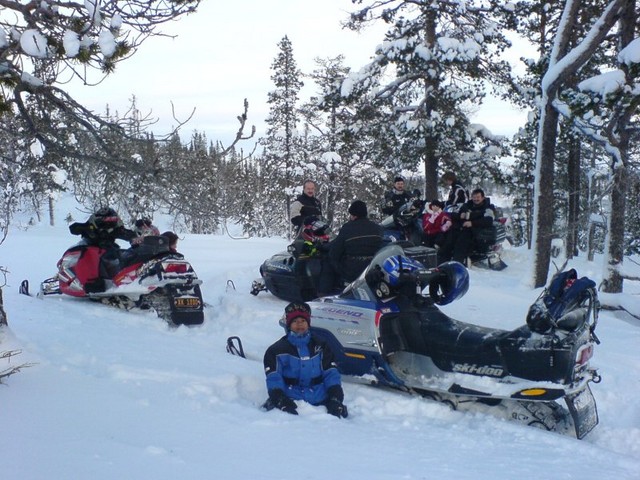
(394, 267)
(451, 284)
(145, 227)
(105, 219)
(314, 228)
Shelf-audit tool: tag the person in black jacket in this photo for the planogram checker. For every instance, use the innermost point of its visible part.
(101, 230)
(356, 244)
(475, 215)
(457, 193)
(306, 205)
(396, 197)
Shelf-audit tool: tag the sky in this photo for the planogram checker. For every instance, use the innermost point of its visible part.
(223, 53)
(118, 394)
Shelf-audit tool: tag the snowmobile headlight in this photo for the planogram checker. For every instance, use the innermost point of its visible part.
(533, 392)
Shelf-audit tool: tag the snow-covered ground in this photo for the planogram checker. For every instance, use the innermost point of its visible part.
(117, 394)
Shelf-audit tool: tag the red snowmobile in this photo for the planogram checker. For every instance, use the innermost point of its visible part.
(149, 275)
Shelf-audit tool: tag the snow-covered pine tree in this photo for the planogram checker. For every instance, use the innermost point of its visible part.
(606, 111)
(427, 77)
(567, 55)
(282, 145)
(342, 159)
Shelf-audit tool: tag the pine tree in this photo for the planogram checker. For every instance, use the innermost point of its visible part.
(416, 96)
(282, 144)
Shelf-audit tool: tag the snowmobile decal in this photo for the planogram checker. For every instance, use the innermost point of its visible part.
(478, 370)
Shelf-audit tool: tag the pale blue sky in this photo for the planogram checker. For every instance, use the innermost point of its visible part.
(223, 54)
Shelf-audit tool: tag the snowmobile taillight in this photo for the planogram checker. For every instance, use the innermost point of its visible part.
(175, 267)
(584, 354)
(377, 319)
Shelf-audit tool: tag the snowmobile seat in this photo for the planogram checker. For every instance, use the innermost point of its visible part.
(151, 247)
(574, 319)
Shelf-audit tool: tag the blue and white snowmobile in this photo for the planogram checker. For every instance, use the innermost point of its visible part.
(386, 327)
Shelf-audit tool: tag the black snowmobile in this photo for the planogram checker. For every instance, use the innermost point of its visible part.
(383, 326)
(293, 275)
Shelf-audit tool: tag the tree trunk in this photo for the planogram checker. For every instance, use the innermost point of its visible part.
(573, 177)
(430, 155)
(617, 215)
(3, 314)
(52, 219)
(543, 205)
(616, 225)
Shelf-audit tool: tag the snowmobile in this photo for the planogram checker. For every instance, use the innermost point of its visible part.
(147, 276)
(293, 275)
(386, 327)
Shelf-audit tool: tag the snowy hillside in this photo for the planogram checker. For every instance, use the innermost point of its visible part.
(118, 394)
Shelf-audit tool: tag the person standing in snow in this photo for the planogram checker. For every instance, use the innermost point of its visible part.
(300, 366)
(306, 205)
(458, 195)
(396, 197)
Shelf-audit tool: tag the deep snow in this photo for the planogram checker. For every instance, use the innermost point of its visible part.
(118, 394)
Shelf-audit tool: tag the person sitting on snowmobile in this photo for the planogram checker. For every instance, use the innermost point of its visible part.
(173, 241)
(357, 242)
(300, 366)
(144, 228)
(101, 230)
(306, 204)
(475, 217)
(435, 225)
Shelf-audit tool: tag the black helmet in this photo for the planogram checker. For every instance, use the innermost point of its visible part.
(105, 219)
(451, 284)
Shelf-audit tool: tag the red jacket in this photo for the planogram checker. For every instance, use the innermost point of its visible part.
(435, 223)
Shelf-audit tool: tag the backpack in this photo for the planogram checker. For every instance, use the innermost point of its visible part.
(561, 304)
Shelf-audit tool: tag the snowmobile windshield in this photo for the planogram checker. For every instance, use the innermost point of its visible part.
(363, 287)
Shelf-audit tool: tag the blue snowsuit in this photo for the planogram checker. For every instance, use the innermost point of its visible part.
(302, 366)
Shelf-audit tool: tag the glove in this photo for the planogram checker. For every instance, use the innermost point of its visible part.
(336, 408)
(280, 401)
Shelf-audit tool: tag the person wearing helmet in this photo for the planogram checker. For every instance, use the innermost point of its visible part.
(306, 204)
(396, 197)
(101, 231)
(144, 228)
(301, 366)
